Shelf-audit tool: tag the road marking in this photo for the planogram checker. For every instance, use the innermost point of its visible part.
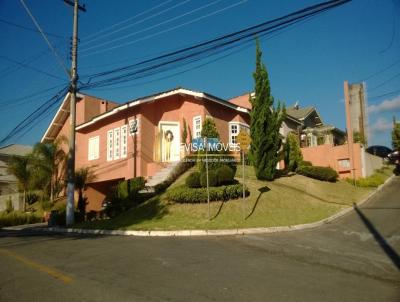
(40, 267)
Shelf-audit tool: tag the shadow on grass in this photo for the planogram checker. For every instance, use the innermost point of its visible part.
(219, 210)
(312, 195)
(150, 210)
(261, 190)
(386, 247)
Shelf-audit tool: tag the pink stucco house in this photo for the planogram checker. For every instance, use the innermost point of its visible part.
(142, 136)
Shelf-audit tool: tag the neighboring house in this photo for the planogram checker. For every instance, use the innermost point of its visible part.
(313, 131)
(8, 182)
(142, 136)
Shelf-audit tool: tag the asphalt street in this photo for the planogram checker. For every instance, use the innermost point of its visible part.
(355, 258)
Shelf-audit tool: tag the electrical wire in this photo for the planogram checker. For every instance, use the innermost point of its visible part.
(209, 47)
(244, 46)
(380, 71)
(45, 38)
(384, 95)
(165, 30)
(31, 68)
(151, 27)
(90, 37)
(39, 112)
(29, 96)
(385, 82)
(145, 19)
(30, 29)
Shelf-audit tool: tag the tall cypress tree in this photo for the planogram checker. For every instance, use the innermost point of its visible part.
(265, 122)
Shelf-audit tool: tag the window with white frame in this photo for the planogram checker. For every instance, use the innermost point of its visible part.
(197, 126)
(117, 143)
(124, 141)
(234, 130)
(93, 148)
(110, 143)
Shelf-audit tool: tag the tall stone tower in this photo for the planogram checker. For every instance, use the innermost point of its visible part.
(358, 114)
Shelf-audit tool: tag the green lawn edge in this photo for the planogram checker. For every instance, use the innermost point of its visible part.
(285, 201)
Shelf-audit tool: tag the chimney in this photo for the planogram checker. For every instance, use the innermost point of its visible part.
(103, 106)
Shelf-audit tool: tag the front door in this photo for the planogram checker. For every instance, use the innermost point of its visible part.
(170, 141)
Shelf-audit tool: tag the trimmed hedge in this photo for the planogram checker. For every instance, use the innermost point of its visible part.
(183, 194)
(225, 175)
(305, 163)
(320, 173)
(18, 218)
(212, 179)
(216, 162)
(193, 180)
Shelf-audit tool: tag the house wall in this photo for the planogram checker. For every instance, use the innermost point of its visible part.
(334, 157)
(174, 109)
(142, 148)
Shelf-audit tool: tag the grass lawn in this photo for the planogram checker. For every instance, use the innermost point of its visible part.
(285, 201)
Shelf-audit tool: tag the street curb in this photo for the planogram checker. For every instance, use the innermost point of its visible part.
(227, 232)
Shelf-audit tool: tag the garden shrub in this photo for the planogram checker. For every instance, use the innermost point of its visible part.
(183, 194)
(305, 163)
(320, 173)
(216, 162)
(18, 218)
(193, 180)
(373, 180)
(124, 196)
(212, 179)
(225, 175)
(31, 198)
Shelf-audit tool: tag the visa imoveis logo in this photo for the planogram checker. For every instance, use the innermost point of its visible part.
(209, 144)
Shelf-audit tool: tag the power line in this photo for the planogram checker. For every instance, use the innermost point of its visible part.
(29, 28)
(385, 82)
(151, 27)
(90, 38)
(384, 95)
(31, 68)
(45, 38)
(380, 71)
(210, 47)
(166, 30)
(37, 113)
(29, 96)
(245, 45)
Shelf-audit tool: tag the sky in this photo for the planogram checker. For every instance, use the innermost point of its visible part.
(307, 63)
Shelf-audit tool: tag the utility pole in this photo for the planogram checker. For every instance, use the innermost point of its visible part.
(72, 118)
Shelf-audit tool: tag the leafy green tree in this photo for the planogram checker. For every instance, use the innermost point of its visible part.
(396, 135)
(292, 152)
(49, 162)
(358, 137)
(83, 176)
(209, 129)
(19, 166)
(265, 122)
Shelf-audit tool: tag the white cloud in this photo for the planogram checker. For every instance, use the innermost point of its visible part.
(387, 105)
(381, 125)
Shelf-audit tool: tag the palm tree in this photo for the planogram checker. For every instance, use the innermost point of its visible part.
(19, 166)
(50, 163)
(83, 176)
